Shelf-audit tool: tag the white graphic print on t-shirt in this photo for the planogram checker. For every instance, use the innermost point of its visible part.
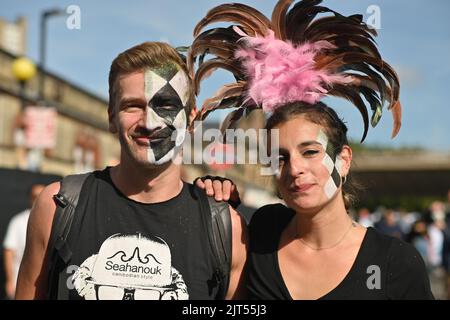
(130, 267)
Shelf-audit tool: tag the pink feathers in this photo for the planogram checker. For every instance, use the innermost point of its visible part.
(281, 73)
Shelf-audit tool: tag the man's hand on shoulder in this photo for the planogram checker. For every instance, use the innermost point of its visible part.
(222, 189)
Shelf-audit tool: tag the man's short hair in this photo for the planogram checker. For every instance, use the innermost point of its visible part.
(142, 56)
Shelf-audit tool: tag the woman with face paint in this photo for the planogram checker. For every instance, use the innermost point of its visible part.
(310, 248)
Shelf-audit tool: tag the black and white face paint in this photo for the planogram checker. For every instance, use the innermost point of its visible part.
(167, 93)
(333, 163)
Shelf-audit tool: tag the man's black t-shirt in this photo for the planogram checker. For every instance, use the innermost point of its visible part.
(400, 268)
(123, 249)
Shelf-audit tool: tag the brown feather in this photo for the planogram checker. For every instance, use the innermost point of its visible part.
(351, 42)
(223, 43)
(374, 82)
(279, 18)
(220, 49)
(213, 46)
(300, 16)
(223, 34)
(372, 97)
(397, 115)
(345, 61)
(338, 62)
(231, 119)
(352, 94)
(317, 31)
(230, 89)
(211, 65)
(223, 97)
(252, 21)
(224, 104)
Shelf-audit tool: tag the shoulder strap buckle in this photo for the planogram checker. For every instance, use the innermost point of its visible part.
(60, 200)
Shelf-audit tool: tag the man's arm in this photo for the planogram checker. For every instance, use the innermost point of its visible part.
(32, 281)
(237, 285)
(10, 282)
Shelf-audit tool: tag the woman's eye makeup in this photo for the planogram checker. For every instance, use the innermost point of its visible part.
(310, 153)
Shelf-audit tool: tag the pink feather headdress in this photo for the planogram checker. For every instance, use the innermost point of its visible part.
(280, 73)
(292, 57)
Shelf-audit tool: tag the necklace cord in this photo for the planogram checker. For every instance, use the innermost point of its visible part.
(352, 224)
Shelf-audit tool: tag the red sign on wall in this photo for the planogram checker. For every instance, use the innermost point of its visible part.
(40, 127)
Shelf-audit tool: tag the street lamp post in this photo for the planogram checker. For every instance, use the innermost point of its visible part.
(42, 45)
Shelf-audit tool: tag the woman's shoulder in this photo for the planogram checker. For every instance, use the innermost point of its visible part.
(272, 213)
(406, 273)
(273, 207)
(268, 222)
(395, 248)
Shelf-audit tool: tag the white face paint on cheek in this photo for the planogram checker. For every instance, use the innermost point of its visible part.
(153, 83)
(153, 121)
(180, 124)
(180, 83)
(333, 168)
(339, 164)
(322, 139)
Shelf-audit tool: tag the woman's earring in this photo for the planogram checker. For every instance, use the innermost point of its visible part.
(344, 180)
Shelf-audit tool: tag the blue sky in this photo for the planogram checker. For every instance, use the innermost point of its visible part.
(414, 38)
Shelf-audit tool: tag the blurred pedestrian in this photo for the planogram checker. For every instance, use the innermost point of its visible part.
(14, 242)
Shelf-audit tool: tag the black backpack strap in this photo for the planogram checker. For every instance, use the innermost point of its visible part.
(60, 253)
(222, 233)
(218, 225)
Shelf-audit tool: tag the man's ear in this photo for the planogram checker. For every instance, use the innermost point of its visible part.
(111, 119)
(346, 156)
(192, 115)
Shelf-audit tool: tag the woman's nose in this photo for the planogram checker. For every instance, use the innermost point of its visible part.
(296, 166)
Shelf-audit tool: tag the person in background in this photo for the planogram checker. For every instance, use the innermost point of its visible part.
(364, 217)
(389, 225)
(14, 242)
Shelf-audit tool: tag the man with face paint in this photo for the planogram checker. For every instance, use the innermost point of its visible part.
(137, 231)
(167, 92)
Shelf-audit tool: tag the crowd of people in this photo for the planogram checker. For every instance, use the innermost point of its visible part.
(427, 230)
